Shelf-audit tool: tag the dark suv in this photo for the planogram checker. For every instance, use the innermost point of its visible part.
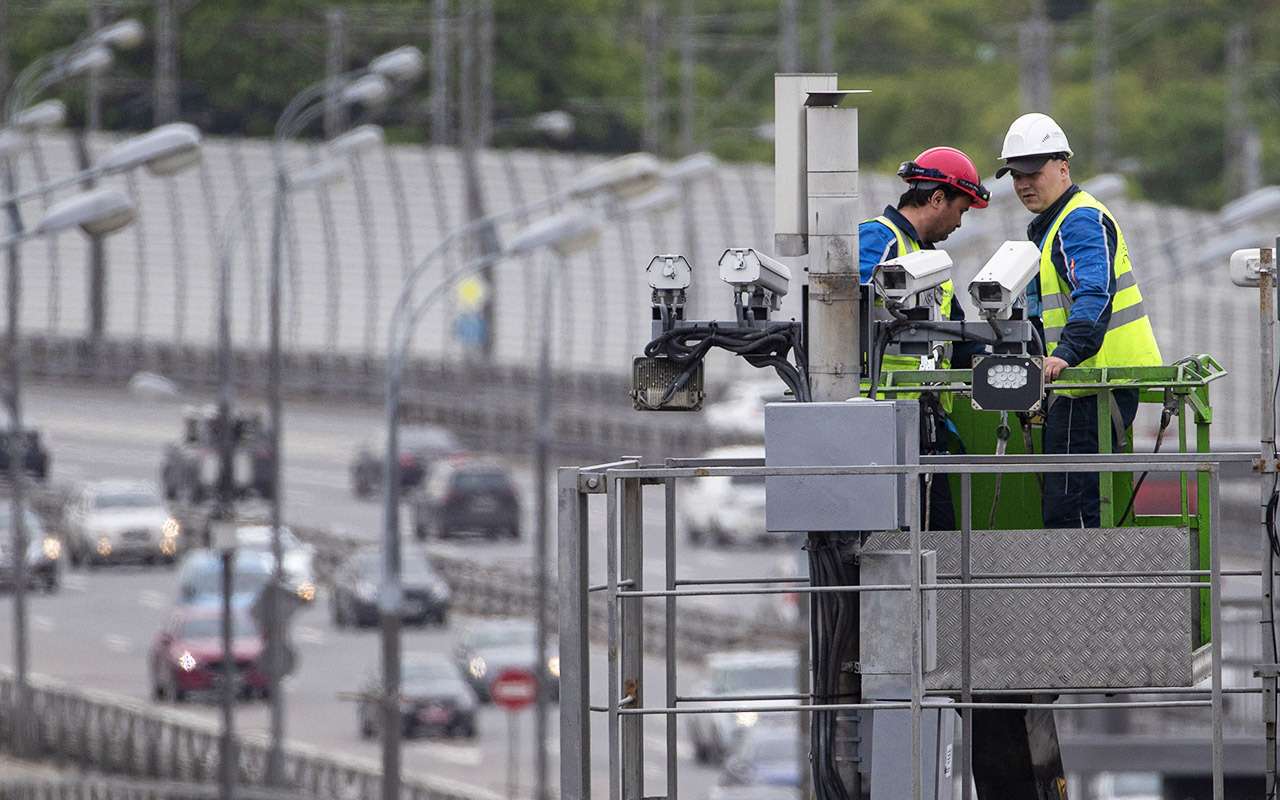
(467, 495)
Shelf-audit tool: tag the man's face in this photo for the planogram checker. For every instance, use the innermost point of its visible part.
(1038, 190)
(946, 215)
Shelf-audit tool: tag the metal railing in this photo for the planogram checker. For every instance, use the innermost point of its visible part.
(622, 484)
(105, 734)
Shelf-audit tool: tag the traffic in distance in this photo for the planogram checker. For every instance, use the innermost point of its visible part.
(101, 527)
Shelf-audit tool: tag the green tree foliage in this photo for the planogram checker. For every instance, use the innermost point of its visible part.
(945, 71)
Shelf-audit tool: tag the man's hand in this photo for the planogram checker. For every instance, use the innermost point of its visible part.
(1053, 366)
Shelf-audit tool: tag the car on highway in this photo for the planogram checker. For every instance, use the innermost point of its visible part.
(190, 468)
(44, 552)
(735, 674)
(186, 655)
(421, 446)
(298, 559)
(115, 521)
(467, 495)
(726, 510)
(200, 578)
(353, 598)
(767, 755)
(434, 700)
(489, 647)
(740, 413)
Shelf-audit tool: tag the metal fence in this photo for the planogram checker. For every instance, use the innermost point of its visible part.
(626, 704)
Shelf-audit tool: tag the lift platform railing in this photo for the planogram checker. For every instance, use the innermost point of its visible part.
(621, 483)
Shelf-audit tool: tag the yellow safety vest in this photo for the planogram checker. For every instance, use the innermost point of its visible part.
(896, 363)
(1129, 341)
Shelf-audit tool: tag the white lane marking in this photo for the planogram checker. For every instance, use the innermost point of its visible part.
(42, 623)
(465, 755)
(150, 598)
(116, 643)
(305, 634)
(75, 583)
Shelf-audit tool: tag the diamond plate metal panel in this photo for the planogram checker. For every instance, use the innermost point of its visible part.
(1054, 638)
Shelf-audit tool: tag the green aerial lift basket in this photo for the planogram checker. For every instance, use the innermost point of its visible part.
(1182, 386)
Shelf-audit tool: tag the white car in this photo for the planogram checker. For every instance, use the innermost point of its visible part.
(121, 521)
(298, 559)
(741, 412)
(732, 675)
(725, 510)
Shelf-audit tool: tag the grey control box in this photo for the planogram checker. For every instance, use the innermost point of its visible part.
(854, 433)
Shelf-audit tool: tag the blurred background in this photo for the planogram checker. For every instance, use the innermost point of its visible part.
(1171, 108)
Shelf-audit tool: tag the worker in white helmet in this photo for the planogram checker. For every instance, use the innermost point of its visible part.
(1088, 301)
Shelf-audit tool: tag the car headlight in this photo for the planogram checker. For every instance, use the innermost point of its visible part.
(477, 667)
(104, 546)
(747, 718)
(171, 528)
(187, 661)
(52, 548)
(553, 666)
(306, 591)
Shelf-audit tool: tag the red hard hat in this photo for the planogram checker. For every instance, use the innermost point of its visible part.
(946, 165)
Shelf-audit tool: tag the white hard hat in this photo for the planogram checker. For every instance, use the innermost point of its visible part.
(1031, 139)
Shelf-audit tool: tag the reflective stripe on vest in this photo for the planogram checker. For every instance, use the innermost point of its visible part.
(1129, 340)
(897, 363)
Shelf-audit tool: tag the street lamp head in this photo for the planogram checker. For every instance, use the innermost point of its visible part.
(41, 116)
(556, 124)
(691, 168)
(367, 90)
(404, 64)
(567, 232)
(97, 212)
(123, 35)
(656, 201)
(93, 59)
(357, 140)
(623, 177)
(165, 150)
(1259, 204)
(322, 173)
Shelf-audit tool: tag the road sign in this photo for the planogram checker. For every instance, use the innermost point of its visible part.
(514, 689)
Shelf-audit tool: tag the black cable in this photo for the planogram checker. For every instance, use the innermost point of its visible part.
(760, 347)
(1166, 416)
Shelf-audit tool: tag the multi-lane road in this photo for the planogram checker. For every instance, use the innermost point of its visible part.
(96, 632)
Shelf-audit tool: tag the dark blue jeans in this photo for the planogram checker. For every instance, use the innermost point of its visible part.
(1070, 499)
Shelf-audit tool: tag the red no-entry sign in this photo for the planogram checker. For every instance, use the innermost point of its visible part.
(514, 689)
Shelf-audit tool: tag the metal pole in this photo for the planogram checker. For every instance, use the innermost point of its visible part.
(541, 452)
(227, 754)
(632, 569)
(669, 630)
(688, 89)
(275, 653)
(166, 89)
(93, 82)
(335, 59)
(1243, 154)
(966, 652)
(651, 25)
(917, 635)
(17, 527)
(575, 668)
(440, 73)
(488, 235)
(389, 598)
(788, 36)
(484, 95)
(1035, 48)
(1266, 337)
(826, 36)
(1215, 620)
(1103, 74)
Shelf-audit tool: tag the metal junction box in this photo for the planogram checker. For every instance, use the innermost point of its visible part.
(854, 433)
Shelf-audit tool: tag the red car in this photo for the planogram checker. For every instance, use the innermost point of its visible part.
(186, 656)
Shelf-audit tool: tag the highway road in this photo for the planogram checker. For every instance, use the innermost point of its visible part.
(96, 632)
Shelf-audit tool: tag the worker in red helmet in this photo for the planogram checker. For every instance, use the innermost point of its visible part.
(942, 185)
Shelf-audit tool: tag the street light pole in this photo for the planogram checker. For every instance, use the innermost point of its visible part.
(544, 430)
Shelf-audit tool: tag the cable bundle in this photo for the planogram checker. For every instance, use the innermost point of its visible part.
(761, 347)
(833, 630)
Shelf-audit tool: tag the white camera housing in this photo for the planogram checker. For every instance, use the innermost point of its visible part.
(903, 278)
(746, 269)
(1004, 277)
(1246, 266)
(669, 272)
